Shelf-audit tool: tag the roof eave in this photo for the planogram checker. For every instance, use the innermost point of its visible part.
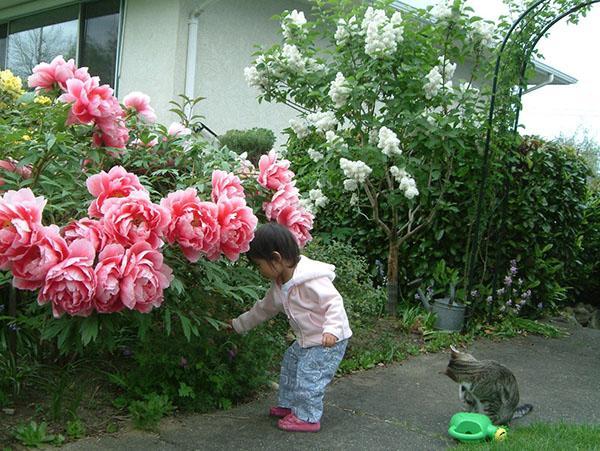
(541, 69)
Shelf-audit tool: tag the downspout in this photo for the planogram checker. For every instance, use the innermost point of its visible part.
(549, 80)
(191, 59)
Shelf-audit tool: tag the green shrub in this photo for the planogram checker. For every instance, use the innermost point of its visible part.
(75, 429)
(214, 369)
(586, 281)
(34, 434)
(146, 414)
(255, 141)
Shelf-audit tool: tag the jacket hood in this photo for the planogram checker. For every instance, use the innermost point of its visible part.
(308, 269)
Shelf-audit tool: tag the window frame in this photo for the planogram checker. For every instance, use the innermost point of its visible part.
(81, 18)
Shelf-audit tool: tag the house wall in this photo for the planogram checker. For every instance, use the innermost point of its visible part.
(153, 52)
(228, 33)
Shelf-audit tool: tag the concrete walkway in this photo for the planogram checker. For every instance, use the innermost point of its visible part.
(399, 407)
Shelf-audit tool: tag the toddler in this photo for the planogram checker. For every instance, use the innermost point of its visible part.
(302, 289)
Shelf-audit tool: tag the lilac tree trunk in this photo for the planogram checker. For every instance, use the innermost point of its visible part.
(392, 278)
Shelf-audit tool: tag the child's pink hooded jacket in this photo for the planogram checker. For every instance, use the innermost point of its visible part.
(310, 301)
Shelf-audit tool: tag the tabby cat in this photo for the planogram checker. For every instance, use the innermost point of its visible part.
(486, 387)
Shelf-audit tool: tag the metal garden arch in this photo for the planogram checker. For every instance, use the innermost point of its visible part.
(541, 16)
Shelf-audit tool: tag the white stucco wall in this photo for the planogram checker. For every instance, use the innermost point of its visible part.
(153, 52)
(228, 33)
(153, 58)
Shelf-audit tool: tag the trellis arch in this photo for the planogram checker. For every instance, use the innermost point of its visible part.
(504, 107)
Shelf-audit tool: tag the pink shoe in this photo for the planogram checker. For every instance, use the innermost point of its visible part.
(292, 423)
(279, 412)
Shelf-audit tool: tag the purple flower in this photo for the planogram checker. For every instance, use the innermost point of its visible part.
(489, 299)
(508, 281)
(500, 291)
(183, 362)
(540, 305)
(509, 302)
(520, 282)
(474, 293)
(14, 327)
(429, 291)
(523, 302)
(513, 267)
(231, 354)
(417, 297)
(527, 294)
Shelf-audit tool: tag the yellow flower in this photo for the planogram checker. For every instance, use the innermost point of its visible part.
(11, 84)
(42, 100)
(26, 138)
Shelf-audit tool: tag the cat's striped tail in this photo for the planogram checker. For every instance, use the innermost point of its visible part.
(521, 411)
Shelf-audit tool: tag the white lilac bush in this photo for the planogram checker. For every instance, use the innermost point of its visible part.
(383, 115)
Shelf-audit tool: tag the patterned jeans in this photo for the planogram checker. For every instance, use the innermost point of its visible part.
(305, 372)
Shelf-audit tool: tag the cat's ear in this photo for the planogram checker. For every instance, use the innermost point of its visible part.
(454, 352)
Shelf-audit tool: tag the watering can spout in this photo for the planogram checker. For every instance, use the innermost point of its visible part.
(426, 304)
(424, 300)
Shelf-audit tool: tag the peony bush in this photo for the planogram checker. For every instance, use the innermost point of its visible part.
(103, 211)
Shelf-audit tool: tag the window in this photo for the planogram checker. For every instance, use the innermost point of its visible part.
(3, 30)
(100, 36)
(86, 32)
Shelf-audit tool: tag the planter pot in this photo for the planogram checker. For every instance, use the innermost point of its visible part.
(449, 317)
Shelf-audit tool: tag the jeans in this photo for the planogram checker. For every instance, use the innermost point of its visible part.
(305, 372)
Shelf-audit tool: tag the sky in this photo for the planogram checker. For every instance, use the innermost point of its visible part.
(554, 110)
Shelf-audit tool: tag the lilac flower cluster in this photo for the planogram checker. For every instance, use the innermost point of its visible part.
(512, 297)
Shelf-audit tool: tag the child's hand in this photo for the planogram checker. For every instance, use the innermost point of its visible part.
(229, 326)
(328, 340)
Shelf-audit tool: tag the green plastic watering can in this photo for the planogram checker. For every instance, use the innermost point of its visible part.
(474, 427)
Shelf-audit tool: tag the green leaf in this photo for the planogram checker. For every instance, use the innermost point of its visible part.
(89, 329)
(168, 321)
(177, 285)
(186, 325)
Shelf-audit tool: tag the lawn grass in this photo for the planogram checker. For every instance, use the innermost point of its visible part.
(544, 436)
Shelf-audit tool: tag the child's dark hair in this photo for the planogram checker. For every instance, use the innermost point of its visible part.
(272, 237)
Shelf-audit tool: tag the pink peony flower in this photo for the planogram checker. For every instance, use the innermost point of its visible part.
(237, 222)
(20, 214)
(145, 276)
(138, 142)
(46, 76)
(90, 101)
(226, 184)
(86, 228)
(108, 276)
(194, 225)
(48, 249)
(140, 102)
(128, 220)
(11, 165)
(117, 183)
(286, 196)
(110, 132)
(299, 221)
(70, 285)
(177, 129)
(273, 174)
